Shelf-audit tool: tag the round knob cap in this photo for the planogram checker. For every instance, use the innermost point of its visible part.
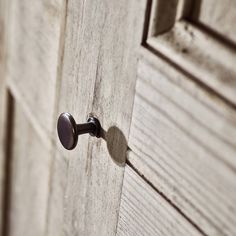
(68, 130)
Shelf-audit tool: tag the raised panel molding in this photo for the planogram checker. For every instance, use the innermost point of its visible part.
(34, 51)
(175, 33)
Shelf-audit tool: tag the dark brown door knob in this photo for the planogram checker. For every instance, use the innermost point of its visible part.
(68, 131)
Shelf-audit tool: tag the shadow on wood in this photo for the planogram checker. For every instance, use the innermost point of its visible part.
(116, 144)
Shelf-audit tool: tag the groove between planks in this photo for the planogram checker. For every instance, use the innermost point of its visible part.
(144, 211)
(183, 141)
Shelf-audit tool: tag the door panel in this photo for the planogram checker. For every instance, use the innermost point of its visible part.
(30, 172)
(99, 73)
(35, 39)
(143, 211)
(183, 140)
(183, 127)
(191, 48)
(33, 55)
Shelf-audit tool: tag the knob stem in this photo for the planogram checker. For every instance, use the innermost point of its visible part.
(89, 127)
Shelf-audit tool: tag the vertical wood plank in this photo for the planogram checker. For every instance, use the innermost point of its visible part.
(34, 52)
(99, 75)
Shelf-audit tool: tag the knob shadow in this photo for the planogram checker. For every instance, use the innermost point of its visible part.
(116, 144)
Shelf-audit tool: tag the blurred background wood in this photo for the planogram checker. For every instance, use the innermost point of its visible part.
(30, 174)
(29, 72)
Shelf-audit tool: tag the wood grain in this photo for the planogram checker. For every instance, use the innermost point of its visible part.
(143, 211)
(99, 71)
(204, 57)
(29, 181)
(34, 54)
(183, 140)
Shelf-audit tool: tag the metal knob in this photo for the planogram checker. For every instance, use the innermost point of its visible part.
(68, 131)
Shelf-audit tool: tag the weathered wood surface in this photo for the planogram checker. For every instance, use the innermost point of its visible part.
(30, 175)
(99, 74)
(201, 55)
(34, 53)
(143, 211)
(182, 136)
(33, 56)
(175, 32)
(183, 140)
(219, 16)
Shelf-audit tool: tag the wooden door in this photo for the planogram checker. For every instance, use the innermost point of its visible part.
(160, 77)
(180, 174)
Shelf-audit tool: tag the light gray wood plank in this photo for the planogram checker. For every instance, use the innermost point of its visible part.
(183, 140)
(99, 70)
(33, 55)
(35, 51)
(143, 211)
(30, 173)
(219, 16)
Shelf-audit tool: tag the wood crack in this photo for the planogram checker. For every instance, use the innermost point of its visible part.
(167, 199)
